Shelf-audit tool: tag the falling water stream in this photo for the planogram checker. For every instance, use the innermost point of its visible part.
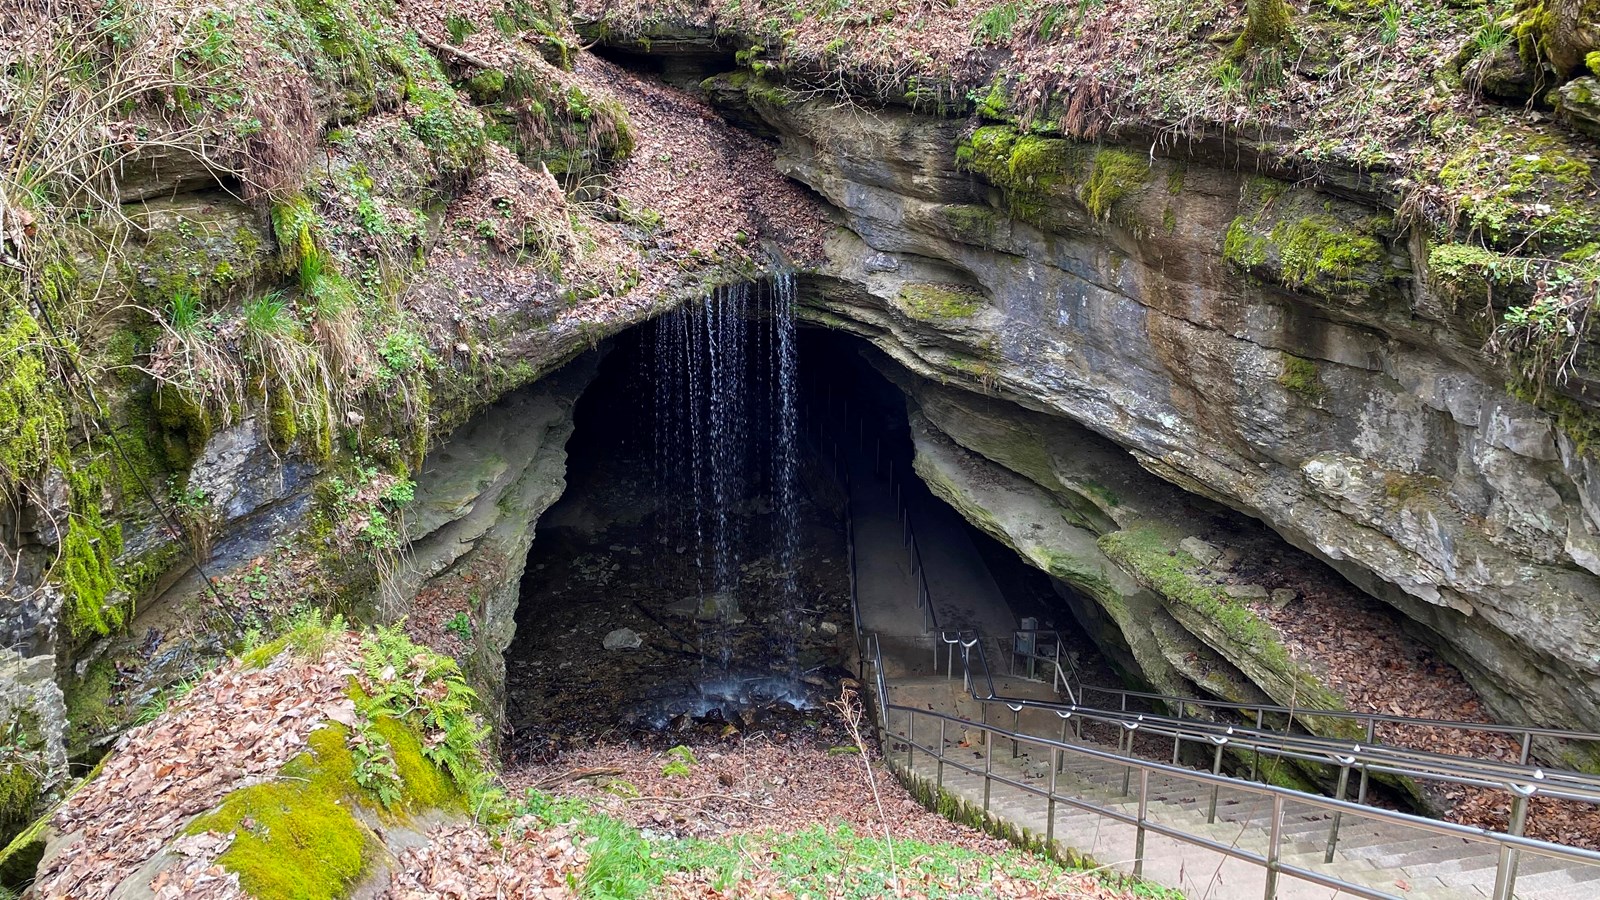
(726, 377)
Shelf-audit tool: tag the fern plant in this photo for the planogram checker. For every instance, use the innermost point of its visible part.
(415, 684)
(376, 769)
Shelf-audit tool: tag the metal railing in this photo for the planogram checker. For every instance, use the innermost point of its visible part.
(1366, 758)
(1510, 847)
(1521, 783)
(1405, 762)
(1366, 723)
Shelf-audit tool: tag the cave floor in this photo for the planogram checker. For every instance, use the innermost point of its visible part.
(603, 562)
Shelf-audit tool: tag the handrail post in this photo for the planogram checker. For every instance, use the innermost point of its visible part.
(1127, 772)
(1505, 876)
(1274, 843)
(1216, 769)
(1361, 791)
(988, 768)
(1527, 748)
(911, 737)
(938, 777)
(1016, 728)
(1255, 758)
(1050, 803)
(1333, 830)
(1144, 809)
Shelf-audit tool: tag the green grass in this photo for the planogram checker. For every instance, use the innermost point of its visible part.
(815, 863)
(269, 316)
(183, 311)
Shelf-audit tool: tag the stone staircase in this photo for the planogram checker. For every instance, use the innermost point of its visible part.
(1387, 857)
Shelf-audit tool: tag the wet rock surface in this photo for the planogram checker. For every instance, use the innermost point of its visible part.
(603, 565)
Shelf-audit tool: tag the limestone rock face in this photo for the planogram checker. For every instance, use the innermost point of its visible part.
(1579, 102)
(479, 496)
(31, 700)
(1272, 348)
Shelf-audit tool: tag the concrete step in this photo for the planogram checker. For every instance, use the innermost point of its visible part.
(1535, 877)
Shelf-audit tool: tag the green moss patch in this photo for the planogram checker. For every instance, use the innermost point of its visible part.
(1471, 276)
(1242, 637)
(33, 419)
(1115, 175)
(1025, 166)
(1153, 559)
(19, 796)
(1306, 241)
(1513, 182)
(87, 568)
(296, 838)
(1029, 166)
(1299, 376)
(425, 786)
(89, 706)
(304, 835)
(936, 302)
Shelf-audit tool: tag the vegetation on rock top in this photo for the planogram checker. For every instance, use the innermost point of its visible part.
(1404, 105)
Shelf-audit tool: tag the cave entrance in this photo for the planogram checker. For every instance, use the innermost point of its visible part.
(694, 575)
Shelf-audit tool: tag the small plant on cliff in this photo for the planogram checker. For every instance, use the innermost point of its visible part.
(287, 371)
(376, 769)
(996, 23)
(1389, 19)
(368, 508)
(461, 625)
(1544, 338)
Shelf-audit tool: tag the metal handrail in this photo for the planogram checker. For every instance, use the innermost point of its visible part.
(1059, 681)
(1510, 846)
(1365, 757)
(1530, 731)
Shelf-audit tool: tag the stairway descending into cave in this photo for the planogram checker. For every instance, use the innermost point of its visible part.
(1386, 859)
(938, 731)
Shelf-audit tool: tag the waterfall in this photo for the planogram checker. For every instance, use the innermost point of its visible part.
(725, 392)
(786, 451)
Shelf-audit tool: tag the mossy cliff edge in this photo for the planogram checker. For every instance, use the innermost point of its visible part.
(1387, 366)
(254, 262)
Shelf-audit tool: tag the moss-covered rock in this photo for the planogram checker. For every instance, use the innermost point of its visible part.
(298, 837)
(1516, 183)
(1025, 166)
(1227, 625)
(1037, 171)
(33, 415)
(1467, 273)
(1299, 376)
(90, 707)
(1307, 242)
(207, 249)
(939, 302)
(1114, 176)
